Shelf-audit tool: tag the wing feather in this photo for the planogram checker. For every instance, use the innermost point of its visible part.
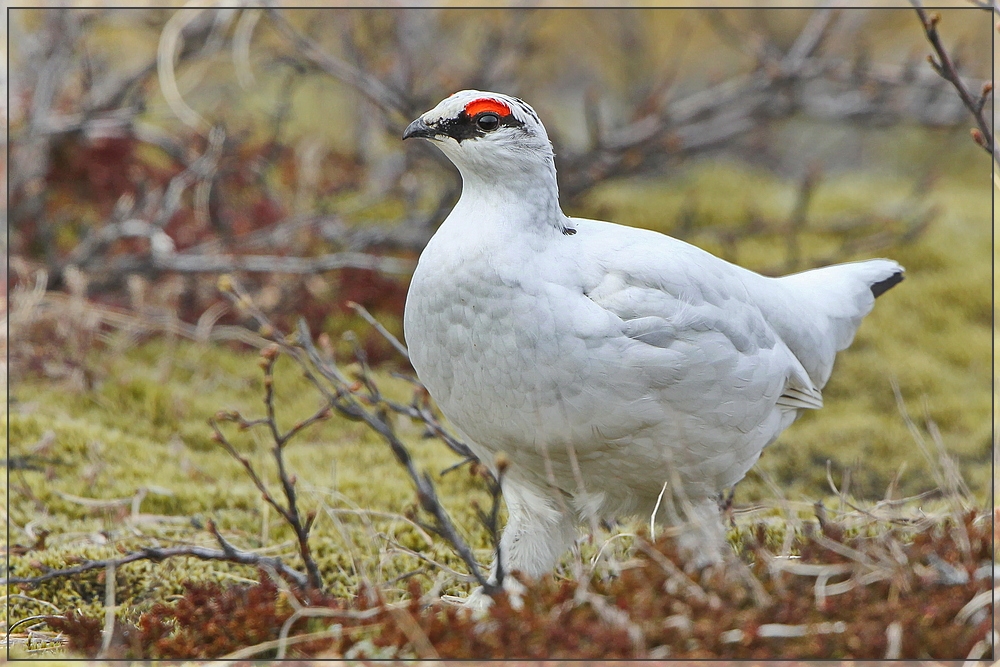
(677, 298)
(807, 399)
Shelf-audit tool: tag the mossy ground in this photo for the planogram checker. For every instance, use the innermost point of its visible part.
(143, 424)
(145, 427)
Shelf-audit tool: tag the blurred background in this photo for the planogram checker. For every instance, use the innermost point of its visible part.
(152, 150)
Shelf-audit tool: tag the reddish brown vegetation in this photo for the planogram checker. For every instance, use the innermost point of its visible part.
(650, 610)
(88, 177)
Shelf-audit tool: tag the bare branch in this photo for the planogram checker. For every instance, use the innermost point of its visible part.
(349, 402)
(797, 220)
(380, 94)
(810, 39)
(945, 66)
(228, 553)
(201, 169)
(376, 419)
(290, 511)
(780, 85)
(245, 462)
(241, 46)
(363, 312)
(491, 519)
(988, 5)
(189, 263)
(171, 42)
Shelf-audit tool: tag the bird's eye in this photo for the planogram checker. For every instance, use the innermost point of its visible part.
(488, 122)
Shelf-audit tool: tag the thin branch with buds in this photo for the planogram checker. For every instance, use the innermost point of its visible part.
(944, 65)
(290, 510)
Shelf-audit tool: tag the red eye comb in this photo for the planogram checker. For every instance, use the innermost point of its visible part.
(479, 106)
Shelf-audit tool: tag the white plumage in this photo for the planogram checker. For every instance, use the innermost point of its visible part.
(604, 360)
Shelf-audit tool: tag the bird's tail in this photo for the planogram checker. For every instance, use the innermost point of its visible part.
(826, 306)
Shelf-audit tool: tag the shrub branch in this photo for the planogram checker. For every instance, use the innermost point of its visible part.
(227, 552)
(376, 417)
(944, 65)
(358, 400)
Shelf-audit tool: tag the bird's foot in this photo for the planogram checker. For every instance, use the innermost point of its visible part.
(479, 600)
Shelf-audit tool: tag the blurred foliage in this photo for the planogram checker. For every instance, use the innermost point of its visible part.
(94, 137)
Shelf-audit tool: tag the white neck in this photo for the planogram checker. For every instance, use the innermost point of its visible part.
(513, 201)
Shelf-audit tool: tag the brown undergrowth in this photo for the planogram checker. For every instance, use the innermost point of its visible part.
(903, 590)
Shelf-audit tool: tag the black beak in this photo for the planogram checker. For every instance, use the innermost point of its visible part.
(419, 128)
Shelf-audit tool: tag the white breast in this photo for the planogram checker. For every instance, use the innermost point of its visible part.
(524, 361)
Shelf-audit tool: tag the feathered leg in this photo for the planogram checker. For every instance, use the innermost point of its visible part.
(537, 533)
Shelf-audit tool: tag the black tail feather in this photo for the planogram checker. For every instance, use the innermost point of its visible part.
(883, 286)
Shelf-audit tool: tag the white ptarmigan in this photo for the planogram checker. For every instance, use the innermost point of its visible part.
(604, 361)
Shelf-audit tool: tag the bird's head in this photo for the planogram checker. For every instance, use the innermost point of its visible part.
(486, 134)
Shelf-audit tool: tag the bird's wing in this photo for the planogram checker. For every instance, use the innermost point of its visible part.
(693, 312)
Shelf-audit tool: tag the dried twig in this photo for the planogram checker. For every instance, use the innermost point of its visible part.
(945, 67)
(783, 83)
(696, 123)
(290, 510)
(349, 405)
(368, 406)
(346, 398)
(797, 220)
(228, 553)
(800, 77)
(491, 519)
(367, 317)
(171, 42)
(109, 107)
(375, 90)
(419, 409)
(188, 263)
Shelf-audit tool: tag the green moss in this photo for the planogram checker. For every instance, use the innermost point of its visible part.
(145, 427)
